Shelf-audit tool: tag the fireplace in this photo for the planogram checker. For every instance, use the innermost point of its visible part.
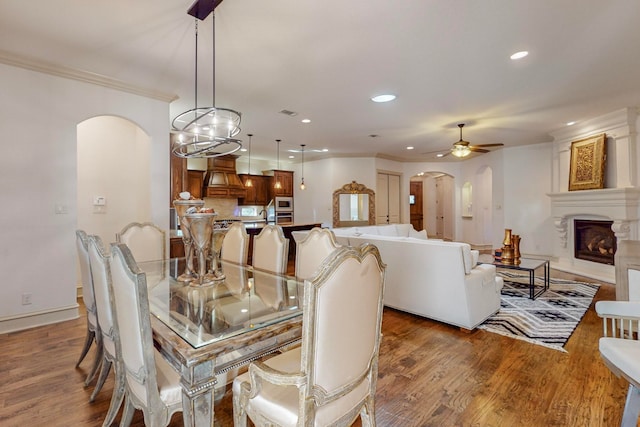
(594, 241)
(618, 205)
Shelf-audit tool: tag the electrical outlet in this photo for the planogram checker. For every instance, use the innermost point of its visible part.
(26, 299)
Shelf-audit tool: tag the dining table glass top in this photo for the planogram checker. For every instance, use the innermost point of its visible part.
(245, 300)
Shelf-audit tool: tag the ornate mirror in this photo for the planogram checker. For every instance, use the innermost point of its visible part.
(353, 205)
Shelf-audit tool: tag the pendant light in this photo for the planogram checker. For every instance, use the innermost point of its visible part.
(278, 184)
(249, 182)
(206, 131)
(302, 186)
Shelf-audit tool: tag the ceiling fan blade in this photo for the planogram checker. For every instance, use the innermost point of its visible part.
(444, 152)
(488, 145)
(475, 149)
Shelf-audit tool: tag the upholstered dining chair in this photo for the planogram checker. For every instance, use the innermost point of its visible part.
(619, 346)
(270, 250)
(99, 261)
(331, 378)
(235, 245)
(146, 241)
(620, 350)
(93, 330)
(151, 384)
(312, 250)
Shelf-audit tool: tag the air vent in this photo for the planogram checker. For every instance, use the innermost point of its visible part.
(289, 113)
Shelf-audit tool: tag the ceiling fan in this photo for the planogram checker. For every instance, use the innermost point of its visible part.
(462, 148)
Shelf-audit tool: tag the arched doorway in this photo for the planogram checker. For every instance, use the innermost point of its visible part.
(114, 177)
(437, 204)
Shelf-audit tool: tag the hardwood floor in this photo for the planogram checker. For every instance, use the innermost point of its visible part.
(431, 374)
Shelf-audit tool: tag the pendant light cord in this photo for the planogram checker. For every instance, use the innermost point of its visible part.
(195, 97)
(213, 58)
(249, 168)
(278, 141)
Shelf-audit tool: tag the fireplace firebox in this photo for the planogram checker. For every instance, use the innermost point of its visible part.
(594, 241)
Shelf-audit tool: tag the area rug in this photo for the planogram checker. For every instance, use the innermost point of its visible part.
(550, 319)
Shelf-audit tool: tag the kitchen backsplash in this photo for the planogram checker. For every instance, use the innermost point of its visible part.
(225, 208)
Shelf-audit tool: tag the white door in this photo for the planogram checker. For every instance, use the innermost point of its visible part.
(387, 198)
(444, 207)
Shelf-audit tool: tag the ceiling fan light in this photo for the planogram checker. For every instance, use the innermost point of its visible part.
(460, 151)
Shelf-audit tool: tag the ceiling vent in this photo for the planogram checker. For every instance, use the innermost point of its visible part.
(289, 113)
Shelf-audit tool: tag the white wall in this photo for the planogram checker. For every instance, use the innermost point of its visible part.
(39, 114)
(527, 208)
(113, 162)
(322, 178)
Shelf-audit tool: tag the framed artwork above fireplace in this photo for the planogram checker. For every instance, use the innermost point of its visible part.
(588, 157)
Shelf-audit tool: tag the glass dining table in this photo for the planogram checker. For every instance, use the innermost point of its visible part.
(208, 332)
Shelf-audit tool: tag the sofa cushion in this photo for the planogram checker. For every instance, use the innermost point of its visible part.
(467, 258)
(388, 230)
(422, 234)
(367, 229)
(404, 230)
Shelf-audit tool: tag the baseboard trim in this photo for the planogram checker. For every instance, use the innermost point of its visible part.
(42, 318)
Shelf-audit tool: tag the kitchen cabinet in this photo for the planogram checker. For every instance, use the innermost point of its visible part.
(258, 193)
(178, 178)
(194, 183)
(221, 179)
(286, 180)
(176, 247)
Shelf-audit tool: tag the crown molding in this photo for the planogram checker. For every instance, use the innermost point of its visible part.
(40, 66)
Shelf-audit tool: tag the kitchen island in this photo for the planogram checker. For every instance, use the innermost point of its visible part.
(253, 228)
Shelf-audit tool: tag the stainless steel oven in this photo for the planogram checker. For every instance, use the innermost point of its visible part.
(284, 204)
(284, 217)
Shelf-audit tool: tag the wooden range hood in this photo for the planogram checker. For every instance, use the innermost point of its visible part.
(221, 179)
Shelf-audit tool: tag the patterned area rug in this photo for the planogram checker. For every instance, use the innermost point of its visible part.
(550, 319)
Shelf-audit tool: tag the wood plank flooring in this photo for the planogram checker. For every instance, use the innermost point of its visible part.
(431, 374)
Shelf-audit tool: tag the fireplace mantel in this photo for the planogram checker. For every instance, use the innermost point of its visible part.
(617, 204)
(614, 203)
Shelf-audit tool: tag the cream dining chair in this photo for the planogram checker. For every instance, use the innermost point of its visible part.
(331, 378)
(312, 250)
(146, 241)
(93, 330)
(270, 250)
(151, 384)
(235, 245)
(99, 261)
(619, 346)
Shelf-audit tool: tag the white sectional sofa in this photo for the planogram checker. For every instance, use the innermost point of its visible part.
(432, 278)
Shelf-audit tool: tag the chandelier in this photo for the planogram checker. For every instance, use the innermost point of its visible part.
(206, 131)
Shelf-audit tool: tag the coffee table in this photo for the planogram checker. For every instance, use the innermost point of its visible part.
(529, 265)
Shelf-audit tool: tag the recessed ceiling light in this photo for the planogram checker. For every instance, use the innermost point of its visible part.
(439, 155)
(571, 123)
(243, 149)
(519, 55)
(383, 98)
(306, 120)
(292, 157)
(409, 148)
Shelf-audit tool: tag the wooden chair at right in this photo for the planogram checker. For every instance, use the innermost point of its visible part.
(620, 345)
(312, 251)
